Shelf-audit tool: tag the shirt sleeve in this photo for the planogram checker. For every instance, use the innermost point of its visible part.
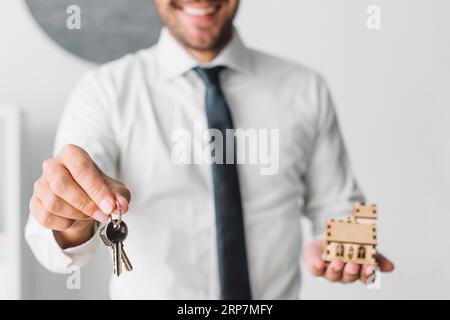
(332, 190)
(86, 122)
(47, 251)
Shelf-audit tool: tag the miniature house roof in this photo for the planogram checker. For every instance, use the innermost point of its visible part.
(350, 232)
(365, 211)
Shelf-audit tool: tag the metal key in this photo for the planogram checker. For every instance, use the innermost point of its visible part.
(116, 233)
(125, 260)
(113, 234)
(103, 236)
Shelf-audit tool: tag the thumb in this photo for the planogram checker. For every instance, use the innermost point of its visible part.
(121, 193)
(384, 263)
(87, 175)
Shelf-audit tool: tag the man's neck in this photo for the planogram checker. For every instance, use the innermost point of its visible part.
(203, 56)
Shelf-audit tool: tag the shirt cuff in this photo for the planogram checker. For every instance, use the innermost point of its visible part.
(81, 254)
(48, 252)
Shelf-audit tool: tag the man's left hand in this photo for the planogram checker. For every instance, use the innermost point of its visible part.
(337, 270)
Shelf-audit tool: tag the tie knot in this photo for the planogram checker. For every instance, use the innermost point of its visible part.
(210, 76)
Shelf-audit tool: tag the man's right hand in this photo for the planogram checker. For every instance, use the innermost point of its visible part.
(73, 192)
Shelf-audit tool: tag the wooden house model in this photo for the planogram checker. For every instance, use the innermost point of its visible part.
(353, 239)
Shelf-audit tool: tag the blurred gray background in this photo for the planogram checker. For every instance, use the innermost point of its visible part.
(109, 28)
(391, 88)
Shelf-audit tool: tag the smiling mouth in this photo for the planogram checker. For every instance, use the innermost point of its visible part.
(198, 9)
(199, 12)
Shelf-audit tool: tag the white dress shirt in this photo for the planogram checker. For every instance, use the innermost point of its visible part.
(124, 115)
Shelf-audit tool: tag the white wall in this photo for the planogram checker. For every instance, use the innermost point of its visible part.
(37, 75)
(392, 92)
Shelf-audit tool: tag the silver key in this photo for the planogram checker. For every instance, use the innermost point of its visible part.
(116, 233)
(103, 236)
(117, 258)
(126, 261)
(113, 234)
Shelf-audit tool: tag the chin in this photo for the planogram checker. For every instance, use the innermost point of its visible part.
(203, 40)
(201, 25)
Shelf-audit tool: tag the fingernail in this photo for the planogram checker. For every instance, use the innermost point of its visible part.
(352, 272)
(370, 270)
(100, 216)
(106, 206)
(124, 199)
(337, 268)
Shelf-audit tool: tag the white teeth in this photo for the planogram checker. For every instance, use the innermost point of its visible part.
(194, 11)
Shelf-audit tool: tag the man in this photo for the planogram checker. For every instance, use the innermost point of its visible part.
(199, 230)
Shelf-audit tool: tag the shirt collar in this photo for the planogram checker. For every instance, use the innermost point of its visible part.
(174, 60)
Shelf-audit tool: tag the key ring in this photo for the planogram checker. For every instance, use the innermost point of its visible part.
(119, 220)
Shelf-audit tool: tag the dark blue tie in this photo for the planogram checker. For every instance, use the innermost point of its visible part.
(233, 269)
